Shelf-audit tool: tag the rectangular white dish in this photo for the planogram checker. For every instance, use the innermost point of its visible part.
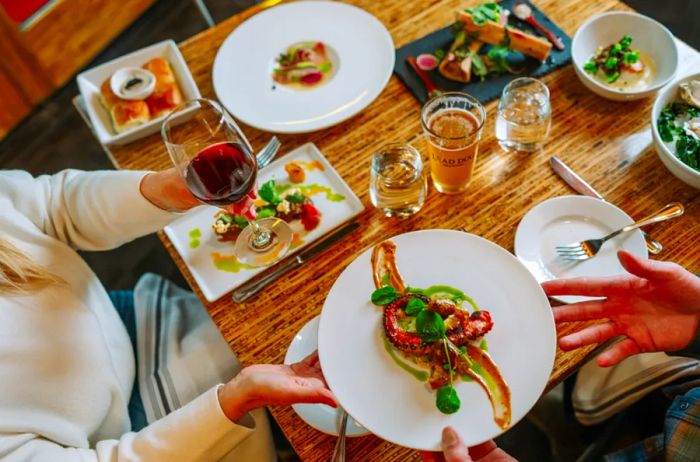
(89, 83)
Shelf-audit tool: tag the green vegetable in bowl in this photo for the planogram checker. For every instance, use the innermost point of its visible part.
(611, 60)
(673, 126)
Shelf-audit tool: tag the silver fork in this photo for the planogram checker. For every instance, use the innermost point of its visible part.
(588, 249)
(339, 451)
(267, 153)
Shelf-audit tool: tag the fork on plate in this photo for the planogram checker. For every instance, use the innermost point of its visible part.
(267, 153)
(588, 249)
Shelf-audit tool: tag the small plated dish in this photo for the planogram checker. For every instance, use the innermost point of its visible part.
(568, 219)
(212, 262)
(323, 418)
(89, 83)
(679, 169)
(649, 36)
(358, 45)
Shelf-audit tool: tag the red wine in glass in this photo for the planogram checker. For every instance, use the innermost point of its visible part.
(222, 173)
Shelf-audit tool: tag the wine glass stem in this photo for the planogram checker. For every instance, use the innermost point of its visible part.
(260, 238)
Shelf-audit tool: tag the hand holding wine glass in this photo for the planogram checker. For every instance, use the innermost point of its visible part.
(219, 167)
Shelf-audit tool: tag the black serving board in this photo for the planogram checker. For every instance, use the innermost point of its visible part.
(492, 86)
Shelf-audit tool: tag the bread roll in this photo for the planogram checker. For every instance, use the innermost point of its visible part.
(167, 95)
(109, 99)
(128, 114)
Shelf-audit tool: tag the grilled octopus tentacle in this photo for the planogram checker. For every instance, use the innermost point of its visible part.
(466, 327)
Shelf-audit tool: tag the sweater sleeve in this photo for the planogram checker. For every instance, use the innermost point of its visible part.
(87, 210)
(198, 431)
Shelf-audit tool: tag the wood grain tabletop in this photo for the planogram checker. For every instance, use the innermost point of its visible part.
(609, 144)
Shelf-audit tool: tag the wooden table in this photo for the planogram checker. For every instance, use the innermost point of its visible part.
(607, 143)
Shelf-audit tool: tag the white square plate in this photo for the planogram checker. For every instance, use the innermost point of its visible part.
(213, 264)
(89, 83)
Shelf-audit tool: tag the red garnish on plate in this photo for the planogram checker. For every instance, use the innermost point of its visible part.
(310, 217)
(312, 78)
(426, 61)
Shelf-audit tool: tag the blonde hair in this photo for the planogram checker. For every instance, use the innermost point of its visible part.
(19, 273)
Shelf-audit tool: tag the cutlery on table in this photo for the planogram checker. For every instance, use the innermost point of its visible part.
(523, 11)
(247, 290)
(580, 186)
(588, 249)
(339, 450)
(432, 89)
(267, 153)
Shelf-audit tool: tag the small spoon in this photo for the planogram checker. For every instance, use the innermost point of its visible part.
(433, 90)
(523, 12)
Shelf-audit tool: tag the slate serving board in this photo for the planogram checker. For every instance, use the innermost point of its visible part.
(492, 87)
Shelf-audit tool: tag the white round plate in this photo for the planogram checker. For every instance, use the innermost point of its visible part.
(388, 401)
(321, 417)
(360, 47)
(568, 219)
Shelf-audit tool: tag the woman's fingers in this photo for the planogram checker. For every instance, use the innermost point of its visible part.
(429, 456)
(619, 351)
(453, 448)
(583, 311)
(591, 287)
(589, 335)
(313, 394)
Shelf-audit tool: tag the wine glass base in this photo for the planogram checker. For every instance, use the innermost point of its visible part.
(277, 247)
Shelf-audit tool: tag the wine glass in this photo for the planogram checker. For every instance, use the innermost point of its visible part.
(219, 167)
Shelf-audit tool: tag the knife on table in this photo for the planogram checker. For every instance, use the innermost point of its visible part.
(580, 186)
(251, 288)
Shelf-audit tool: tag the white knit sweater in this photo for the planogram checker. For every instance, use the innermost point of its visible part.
(66, 362)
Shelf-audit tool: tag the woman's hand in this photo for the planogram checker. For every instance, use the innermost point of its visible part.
(266, 384)
(167, 190)
(656, 307)
(454, 450)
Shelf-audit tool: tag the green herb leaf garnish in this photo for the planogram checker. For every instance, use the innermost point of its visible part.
(240, 221)
(268, 193)
(265, 212)
(430, 326)
(415, 306)
(485, 12)
(384, 295)
(297, 197)
(447, 400)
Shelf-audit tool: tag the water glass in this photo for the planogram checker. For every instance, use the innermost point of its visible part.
(397, 183)
(524, 115)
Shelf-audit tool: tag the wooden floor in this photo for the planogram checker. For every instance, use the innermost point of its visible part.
(54, 137)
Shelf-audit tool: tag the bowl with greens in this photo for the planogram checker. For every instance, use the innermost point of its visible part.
(624, 56)
(675, 121)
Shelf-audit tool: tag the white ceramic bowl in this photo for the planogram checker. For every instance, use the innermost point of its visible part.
(648, 35)
(669, 159)
(90, 81)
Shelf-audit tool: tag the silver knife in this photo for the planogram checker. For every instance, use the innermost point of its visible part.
(247, 290)
(581, 187)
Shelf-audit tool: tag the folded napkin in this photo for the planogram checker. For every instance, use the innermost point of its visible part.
(492, 87)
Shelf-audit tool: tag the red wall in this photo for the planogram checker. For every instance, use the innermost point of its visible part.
(21, 10)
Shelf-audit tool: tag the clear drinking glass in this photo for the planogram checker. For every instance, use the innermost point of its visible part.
(219, 167)
(452, 123)
(524, 115)
(397, 184)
